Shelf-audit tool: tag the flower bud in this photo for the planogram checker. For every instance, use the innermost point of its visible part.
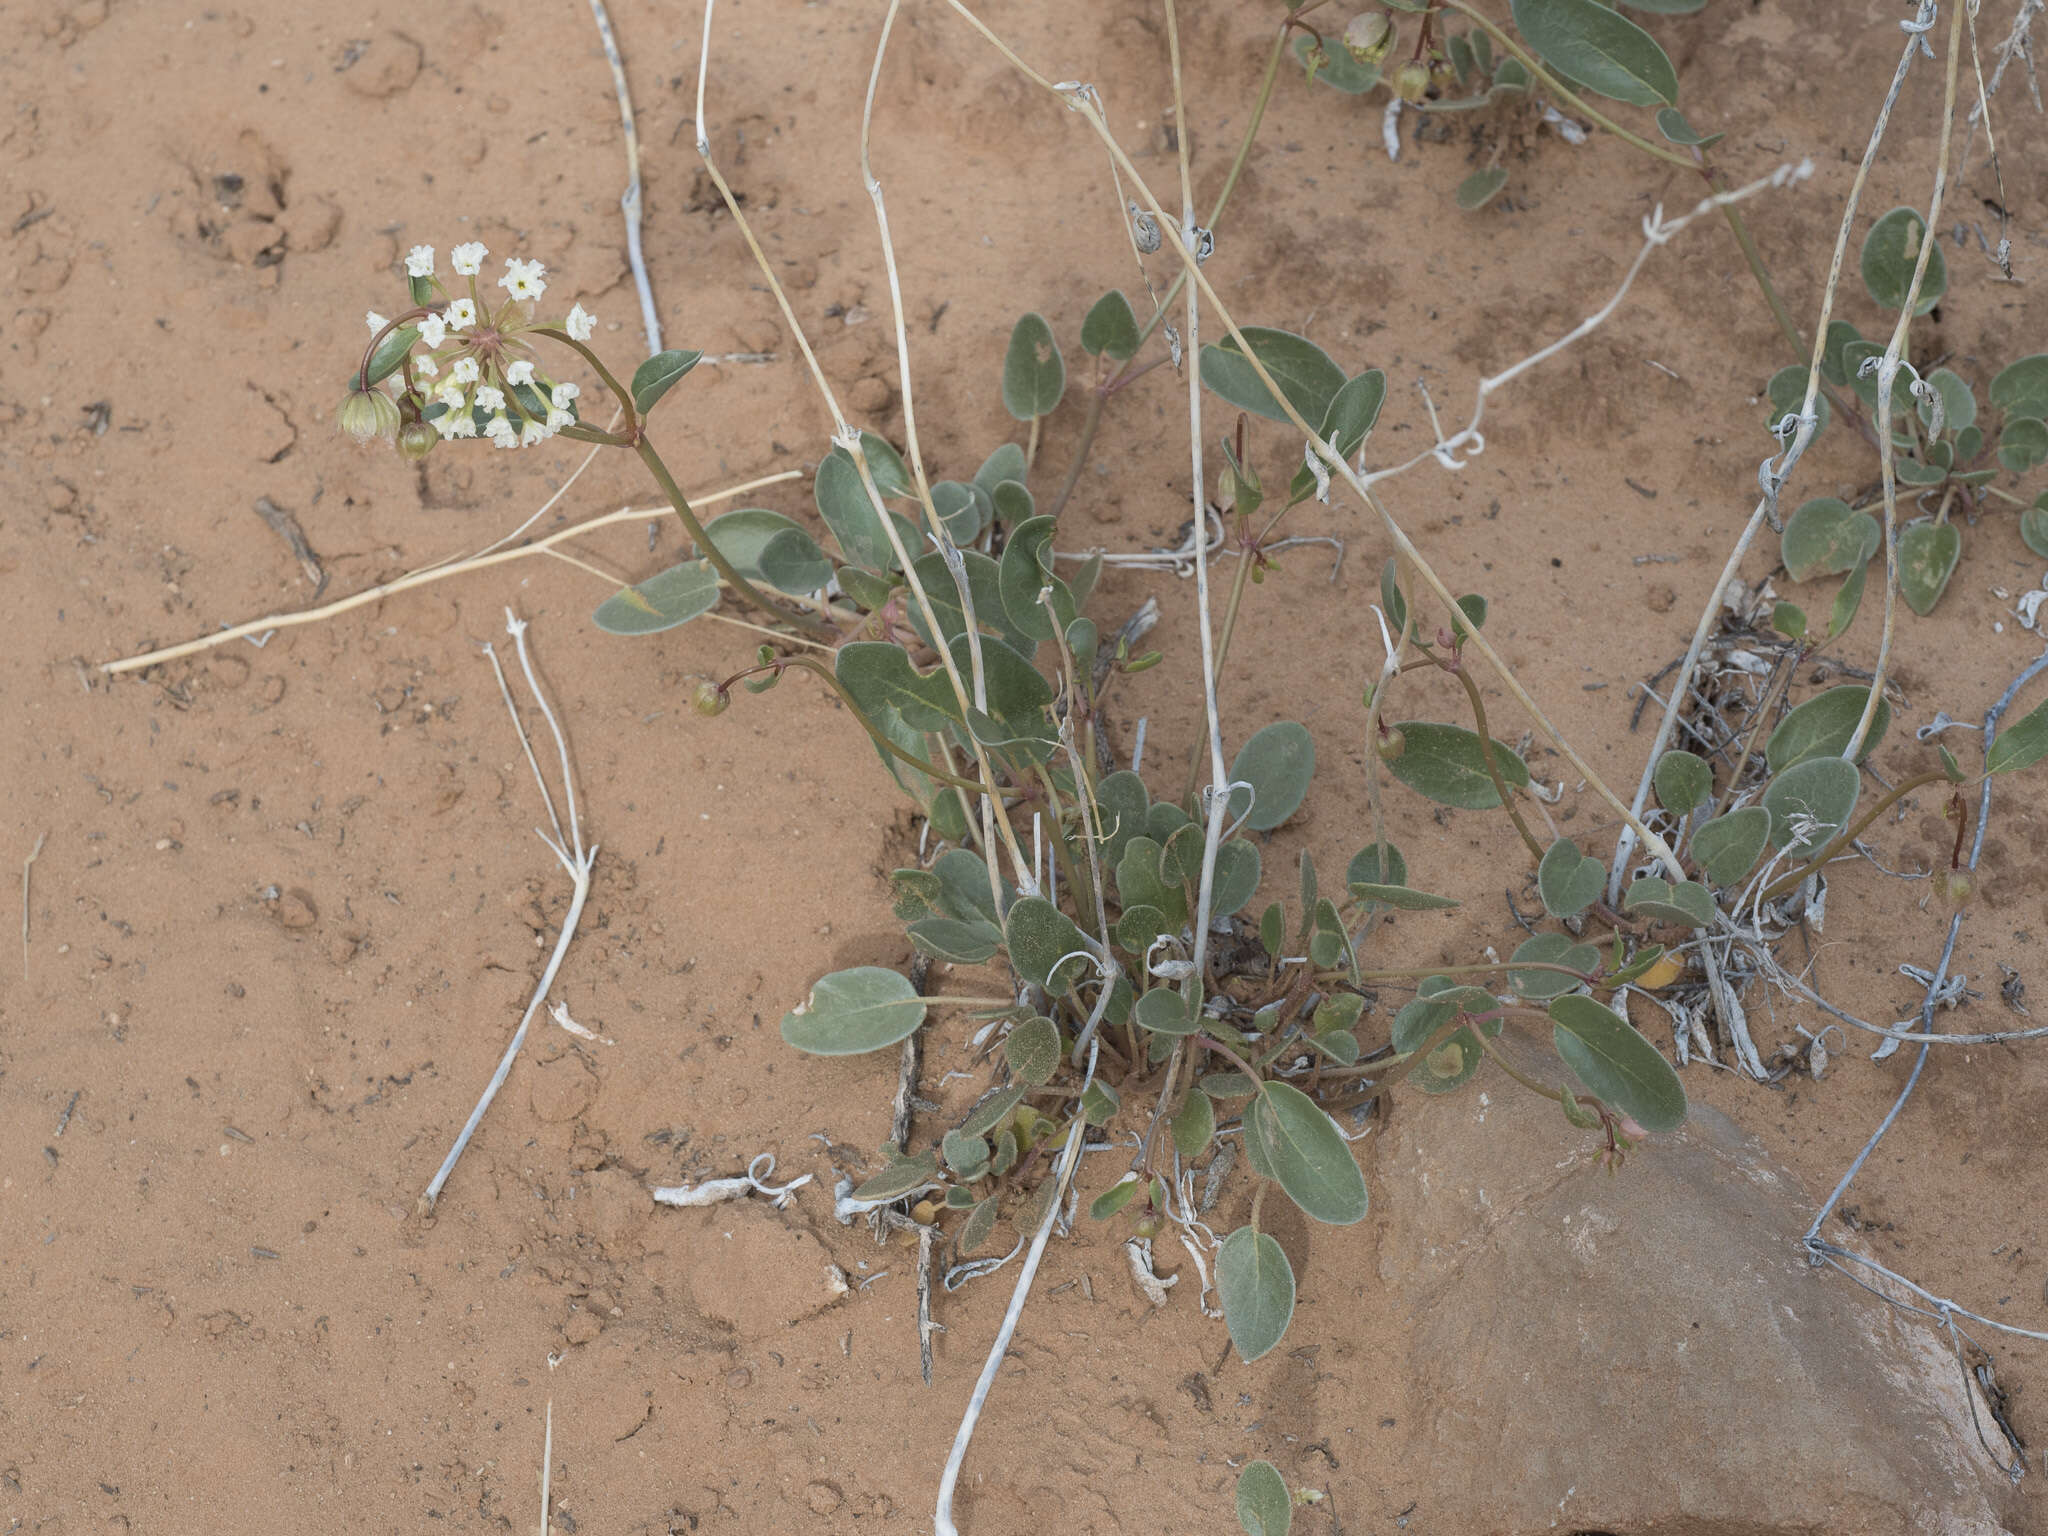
(707, 698)
(367, 414)
(1147, 1225)
(416, 440)
(1369, 35)
(1411, 81)
(924, 1213)
(1958, 886)
(1392, 744)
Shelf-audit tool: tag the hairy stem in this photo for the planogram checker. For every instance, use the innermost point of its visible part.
(1500, 785)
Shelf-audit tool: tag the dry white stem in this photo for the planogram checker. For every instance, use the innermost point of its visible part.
(574, 858)
(753, 1182)
(547, 1462)
(559, 1012)
(440, 570)
(27, 865)
(629, 204)
(1138, 1255)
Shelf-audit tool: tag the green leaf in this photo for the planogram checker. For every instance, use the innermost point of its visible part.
(1418, 1020)
(1338, 69)
(1309, 1156)
(1353, 411)
(1138, 883)
(1099, 1103)
(849, 1012)
(2021, 388)
(1304, 371)
(1825, 537)
(1164, 1011)
(1447, 764)
(1032, 1049)
(1278, 762)
(1480, 188)
(1599, 48)
(1789, 620)
(1005, 464)
(963, 509)
(673, 597)
(1727, 847)
(1139, 927)
(1043, 943)
(1377, 864)
(1264, 1507)
(1619, 1065)
(1120, 805)
(2034, 530)
(1912, 473)
(1339, 1011)
(966, 1154)
(792, 562)
(1401, 897)
(1847, 600)
(963, 887)
(1840, 334)
(1194, 1127)
(1273, 929)
(391, 352)
(1786, 393)
(1684, 781)
(1822, 726)
(1025, 571)
(1854, 355)
(1111, 329)
(1568, 880)
(1552, 949)
(1256, 1287)
(743, 536)
(1034, 376)
(1180, 862)
(1810, 802)
(844, 505)
(879, 676)
(1472, 612)
(1958, 405)
(1890, 252)
(900, 1177)
(1237, 877)
(1688, 902)
(984, 584)
(1227, 1085)
(1114, 1198)
(866, 590)
(1928, 553)
(975, 1230)
(1672, 124)
(2021, 744)
(947, 938)
(1392, 602)
(2023, 444)
(658, 375)
(1328, 943)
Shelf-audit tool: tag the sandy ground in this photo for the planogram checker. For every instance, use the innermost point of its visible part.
(288, 902)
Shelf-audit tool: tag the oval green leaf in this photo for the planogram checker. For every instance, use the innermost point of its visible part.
(900, 1177)
(391, 352)
(1032, 1049)
(1309, 1156)
(1034, 375)
(1304, 371)
(1672, 124)
(1264, 1507)
(2021, 388)
(1278, 762)
(1195, 1126)
(1822, 726)
(1237, 878)
(659, 374)
(1599, 48)
(851, 1012)
(1111, 329)
(1810, 802)
(2021, 744)
(1928, 553)
(1891, 251)
(1480, 188)
(1376, 864)
(1568, 880)
(1401, 897)
(1688, 902)
(1619, 1065)
(1727, 847)
(2023, 444)
(1043, 944)
(1256, 1286)
(1446, 763)
(1552, 949)
(674, 597)
(1684, 781)
(792, 562)
(1826, 537)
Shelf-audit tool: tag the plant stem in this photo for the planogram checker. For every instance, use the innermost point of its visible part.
(1083, 889)
(1848, 835)
(1089, 423)
(1237, 582)
(1500, 785)
(830, 679)
(1500, 1060)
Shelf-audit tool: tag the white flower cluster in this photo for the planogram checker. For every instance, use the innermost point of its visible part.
(477, 367)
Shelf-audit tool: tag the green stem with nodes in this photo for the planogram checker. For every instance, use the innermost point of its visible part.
(1842, 839)
(1500, 785)
(830, 679)
(1499, 1059)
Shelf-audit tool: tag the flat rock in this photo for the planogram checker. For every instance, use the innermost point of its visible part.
(1650, 1352)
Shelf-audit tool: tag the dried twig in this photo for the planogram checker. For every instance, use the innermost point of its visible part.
(286, 527)
(28, 864)
(574, 858)
(629, 204)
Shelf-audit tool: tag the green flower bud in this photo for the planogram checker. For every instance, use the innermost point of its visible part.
(1411, 81)
(1369, 35)
(367, 414)
(1392, 744)
(416, 440)
(707, 698)
(1958, 886)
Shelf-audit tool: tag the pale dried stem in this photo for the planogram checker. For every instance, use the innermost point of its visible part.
(427, 575)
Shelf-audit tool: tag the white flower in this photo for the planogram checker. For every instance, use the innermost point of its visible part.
(563, 394)
(419, 261)
(499, 426)
(457, 424)
(450, 394)
(520, 372)
(465, 371)
(490, 399)
(425, 367)
(581, 323)
(559, 418)
(462, 314)
(377, 321)
(533, 432)
(468, 260)
(433, 331)
(522, 279)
